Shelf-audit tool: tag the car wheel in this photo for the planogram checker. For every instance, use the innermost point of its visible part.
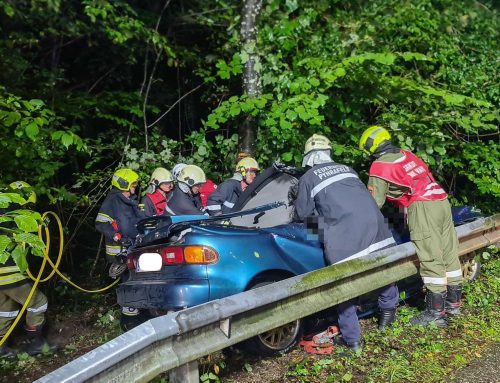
(128, 322)
(471, 270)
(279, 340)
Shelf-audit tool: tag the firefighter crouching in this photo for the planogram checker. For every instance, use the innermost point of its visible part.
(14, 290)
(117, 219)
(404, 179)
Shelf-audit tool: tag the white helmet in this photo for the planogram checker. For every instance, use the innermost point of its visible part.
(161, 175)
(191, 175)
(177, 169)
(317, 142)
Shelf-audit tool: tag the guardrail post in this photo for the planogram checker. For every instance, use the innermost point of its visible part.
(187, 373)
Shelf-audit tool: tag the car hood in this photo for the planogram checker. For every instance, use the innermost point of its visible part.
(160, 229)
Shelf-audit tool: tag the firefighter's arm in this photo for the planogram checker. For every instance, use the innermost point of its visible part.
(378, 188)
(106, 225)
(304, 204)
(217, 198)
(148, 207)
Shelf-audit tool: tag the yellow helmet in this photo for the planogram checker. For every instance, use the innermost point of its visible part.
(25, 190)
(247, 164)
(161, 175)
(191, 175)
(317, 142)
(372, 138)
(124, 178)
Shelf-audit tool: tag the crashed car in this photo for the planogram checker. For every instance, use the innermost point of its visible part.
(182, 261)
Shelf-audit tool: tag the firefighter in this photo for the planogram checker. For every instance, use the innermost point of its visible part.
(223, 199)
(185, 198)
(404, 179)
(160, 186)
(14, 290)
(349, 223)
(208, 187)
(117, 219)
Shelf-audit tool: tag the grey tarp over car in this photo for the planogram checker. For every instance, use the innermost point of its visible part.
(275, 184)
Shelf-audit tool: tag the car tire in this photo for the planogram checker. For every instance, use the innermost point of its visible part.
(128, 322)
(276, 341)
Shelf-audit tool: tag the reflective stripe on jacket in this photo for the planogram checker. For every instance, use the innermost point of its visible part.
(222, 200)
(118, 214)
(10, 275)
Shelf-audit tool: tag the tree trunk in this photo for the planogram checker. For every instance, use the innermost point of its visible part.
(251, 77)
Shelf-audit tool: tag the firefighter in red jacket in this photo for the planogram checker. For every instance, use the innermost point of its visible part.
(404, 179)
(160, 186)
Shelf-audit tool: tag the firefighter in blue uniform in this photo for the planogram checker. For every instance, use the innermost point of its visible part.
(117, 219)
(185, 198)
(222, 200)
(350, 226)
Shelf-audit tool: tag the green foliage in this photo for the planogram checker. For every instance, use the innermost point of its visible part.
(91, 85)
(108, 319)
(424, 69)
(485, 295)
(122, 24)
(16, 231)
(33, 141)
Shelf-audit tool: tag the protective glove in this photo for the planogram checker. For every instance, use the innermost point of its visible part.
(117, 268)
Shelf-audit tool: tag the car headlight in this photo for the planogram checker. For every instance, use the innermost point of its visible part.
(149, 262)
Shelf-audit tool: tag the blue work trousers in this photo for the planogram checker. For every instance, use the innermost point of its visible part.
(348, 318)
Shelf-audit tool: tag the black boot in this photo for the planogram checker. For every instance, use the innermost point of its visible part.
(37, 344)
(354, 346)
(453, 299)
(6, 352)
(386, 318)
(434, 311)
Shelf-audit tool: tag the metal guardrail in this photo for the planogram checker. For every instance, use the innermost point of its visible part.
(175, 341)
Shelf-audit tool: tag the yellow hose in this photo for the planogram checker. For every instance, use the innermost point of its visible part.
(55, 269)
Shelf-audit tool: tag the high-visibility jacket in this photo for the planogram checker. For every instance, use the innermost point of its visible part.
(118, 214)
(11, 276)
(413, 175)
(208, 188)
(154, 203)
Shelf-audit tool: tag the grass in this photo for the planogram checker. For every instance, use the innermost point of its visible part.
(415, 354)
